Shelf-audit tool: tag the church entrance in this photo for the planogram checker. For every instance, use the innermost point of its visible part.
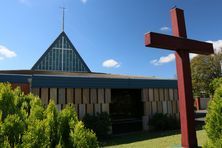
(126, 110)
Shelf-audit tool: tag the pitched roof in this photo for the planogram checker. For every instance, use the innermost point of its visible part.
(61, 56)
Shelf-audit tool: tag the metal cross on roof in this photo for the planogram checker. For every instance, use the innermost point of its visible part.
(63, 17)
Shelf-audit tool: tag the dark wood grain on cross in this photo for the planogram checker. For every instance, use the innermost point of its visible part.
(183, 47)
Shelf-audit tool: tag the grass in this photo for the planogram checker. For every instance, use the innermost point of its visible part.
(151, 140)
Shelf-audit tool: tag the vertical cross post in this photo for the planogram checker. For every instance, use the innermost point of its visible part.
(184, 83)
(183, 46)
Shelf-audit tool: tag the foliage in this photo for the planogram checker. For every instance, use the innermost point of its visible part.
(51, 114)
(83, 138)
(36, 135)
(26, 122)
(67, 121)
(215, 84)
(204, 69)
(161, 122)
(99, 123)
(214, 120)
(13, 129)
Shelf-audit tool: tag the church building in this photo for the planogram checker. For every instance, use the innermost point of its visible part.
(62, 75)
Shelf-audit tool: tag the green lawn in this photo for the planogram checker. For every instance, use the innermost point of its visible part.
(151, 140)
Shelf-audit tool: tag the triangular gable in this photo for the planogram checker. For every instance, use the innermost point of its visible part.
(61, 56)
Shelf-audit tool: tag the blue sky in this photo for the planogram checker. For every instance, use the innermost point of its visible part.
(108, 34)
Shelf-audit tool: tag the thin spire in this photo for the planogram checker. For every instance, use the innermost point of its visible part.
(63, 18)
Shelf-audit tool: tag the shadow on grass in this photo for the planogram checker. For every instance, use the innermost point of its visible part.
(138, 136)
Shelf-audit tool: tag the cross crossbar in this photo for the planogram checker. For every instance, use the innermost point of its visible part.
(61, 48)
(158, 40)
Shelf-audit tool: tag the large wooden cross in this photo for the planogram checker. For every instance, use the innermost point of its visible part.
(183, 47)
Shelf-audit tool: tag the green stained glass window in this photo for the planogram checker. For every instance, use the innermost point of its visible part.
(61, 56)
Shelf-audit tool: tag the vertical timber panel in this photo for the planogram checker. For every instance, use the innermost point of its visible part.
(161, 92)
(59, 107)
(53, 94)
(90, 109)
(76, 108)
(154, 108)
(62, 96)
(147, 108)
(145, 95)
(171, 94)
(174, 104)
(70, 97)
(164, 107)
(82, 110)
(85, 95)
(97, 108)
(105, 108)
(159, 107)
(156, 94)
(166, 94)
(107, 95)
(101, 95)
(93, 96)
(169, 107)
(151, 94)
(78, 96)
(175, 94)
(44, 95)
(36, 91)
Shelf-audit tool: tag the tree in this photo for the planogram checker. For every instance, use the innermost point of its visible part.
(204, 69)
(215, 84)
(82, 137)
(67, 121)
(7, 100)
(51, 114)
(26, 122)
(214, 119)
(13, 129)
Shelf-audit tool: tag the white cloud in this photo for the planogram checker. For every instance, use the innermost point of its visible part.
(111, 63)
(6, 53)
(84, 1)
(165, 28)
(163, 60)
(169, 58)
(217, 45)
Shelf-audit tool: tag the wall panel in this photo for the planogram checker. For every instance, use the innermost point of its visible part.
(61, 96)
(85, 95)
(70, 95)
(78, 96)
(101, 95)
(53, 95)
(93, 96)
(44, 95)
(107, 95)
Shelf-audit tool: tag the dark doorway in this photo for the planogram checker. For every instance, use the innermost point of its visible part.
(126, 110)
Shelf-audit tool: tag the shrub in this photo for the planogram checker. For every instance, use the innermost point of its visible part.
(160, 122)
(67, 121)
(99, 123)
(12, 129)
(214, 120)
(83, 138)
(215, 84)
(26, 122)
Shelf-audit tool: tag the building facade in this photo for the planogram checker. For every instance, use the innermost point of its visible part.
(62, 75)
